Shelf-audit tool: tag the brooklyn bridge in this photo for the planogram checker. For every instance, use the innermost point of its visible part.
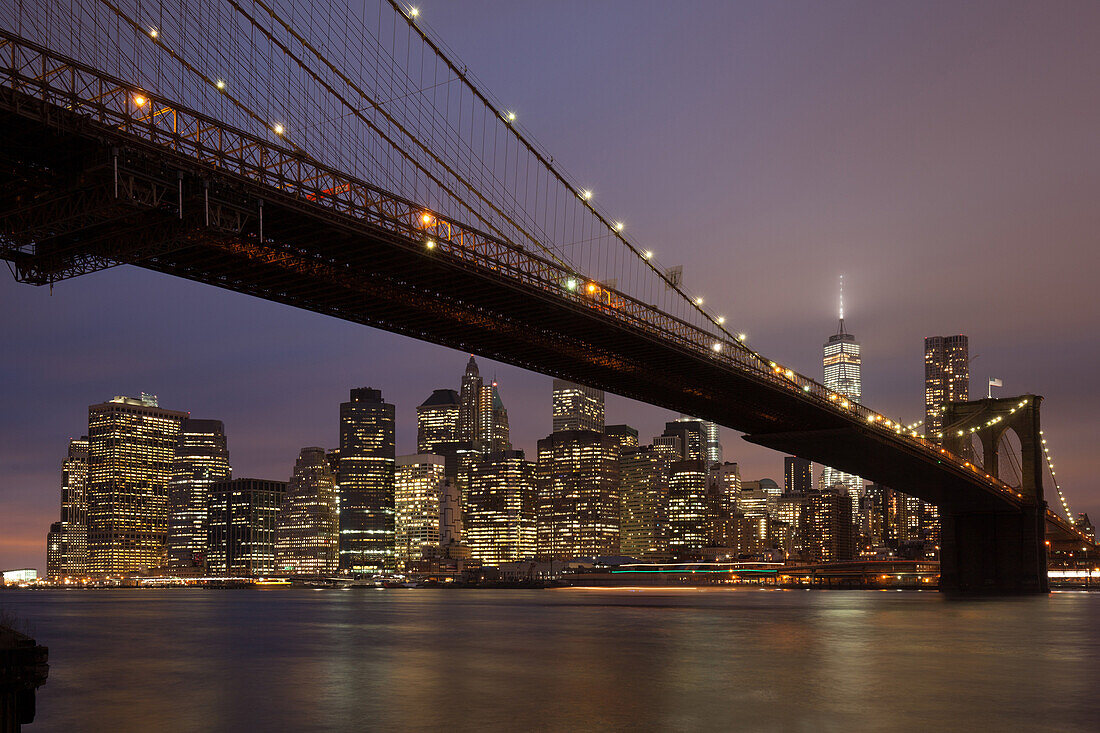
(345, 164)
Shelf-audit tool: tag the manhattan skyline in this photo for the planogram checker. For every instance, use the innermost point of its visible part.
(996, 218)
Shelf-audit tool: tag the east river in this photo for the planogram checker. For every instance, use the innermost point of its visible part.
(563, 660)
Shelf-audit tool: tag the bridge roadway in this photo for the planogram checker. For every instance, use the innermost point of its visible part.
(91, 178)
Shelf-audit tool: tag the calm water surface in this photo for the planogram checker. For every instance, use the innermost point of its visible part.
(668, 659)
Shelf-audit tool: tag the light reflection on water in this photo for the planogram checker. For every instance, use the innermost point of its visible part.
(657, 659)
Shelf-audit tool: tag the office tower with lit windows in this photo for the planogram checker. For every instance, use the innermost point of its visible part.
(798, 475)
(842, 362)
(501, 508)
(946, 378)
(202, 457)
(482, 418)
(578, 484)
(828, 532)
(757, 507)
(240, 526)
(418, 487)
(689, 528)
(693, 438)
(53, 552)
(626, 436)
(131, 452)
(789, 510)
(68, 540)
(469, 391)
(712, 438)
(727, 476)
(643, 489)
(365, 478)
(577, 407)
(492, 433)
(437, 421)
(307, 528)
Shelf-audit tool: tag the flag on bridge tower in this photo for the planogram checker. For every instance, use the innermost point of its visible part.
(993, 382)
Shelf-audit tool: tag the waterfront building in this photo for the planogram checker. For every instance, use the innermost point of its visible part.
(366, 482)
(418, 488)
(946, 378)
(689, 528)
(131, 453)
(643, 488)
(67, 541)
(757, 507)
(307, 529)
(577, 407)
(202, 457)
(626, 436)
(54, 552)
(501, 507)
(828, 531)
(240, 526)
(798, 476)
(842, 363)
(437, 421)
(692, 436)
(578, 484)
(789, 509)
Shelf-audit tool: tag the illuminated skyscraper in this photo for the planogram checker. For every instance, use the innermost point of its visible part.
(202, 457)
(418, 487)
(437, 421)
(307, 530)
(240, 526)
(689, 528)
(501, 503)
(643, 487)
(131, 451)
(366, 475)
(68, 542)
(842, 376)
(693, 438)
(492, 433)
(482, 419)
(577, 407)
(828, 533)
(626, 436)
(946, 378)
(798, 475)
(578, 482)
(712, 438)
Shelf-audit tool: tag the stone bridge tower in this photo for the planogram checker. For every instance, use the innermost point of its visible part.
(996, 551)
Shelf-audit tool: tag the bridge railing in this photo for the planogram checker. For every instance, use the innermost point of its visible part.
(132, 113)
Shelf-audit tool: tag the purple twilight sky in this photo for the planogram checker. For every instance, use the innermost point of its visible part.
(944, 157)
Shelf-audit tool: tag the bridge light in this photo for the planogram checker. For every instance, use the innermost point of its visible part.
(717, 346)
(414, 11)
(591, 287)
(153, 33)
(278, 128)
(571, 284)
(805, 388)
(427, 219)
(647, 254)
(140, 100)
(430, 244)
(510, 116)
(220, 84)
(619, 226)
(586, 195)
(699, 300)
(742, 337)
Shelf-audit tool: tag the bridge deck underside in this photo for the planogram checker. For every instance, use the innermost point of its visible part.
(314, 258)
